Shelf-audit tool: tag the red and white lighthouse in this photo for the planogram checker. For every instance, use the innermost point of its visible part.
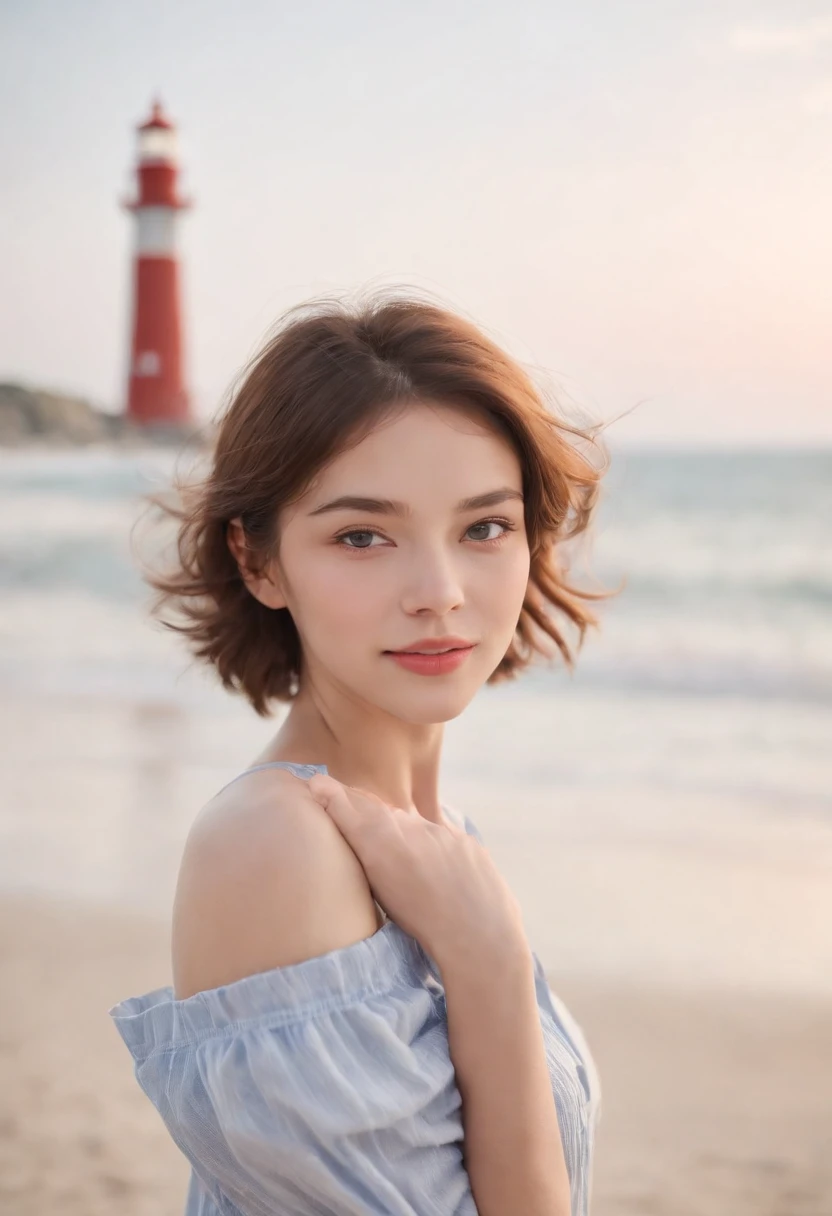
(156, 392)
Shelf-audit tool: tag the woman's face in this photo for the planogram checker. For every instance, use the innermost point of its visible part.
(412, 561)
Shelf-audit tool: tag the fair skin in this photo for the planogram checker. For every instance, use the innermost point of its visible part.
(277, 870)
(432, 572)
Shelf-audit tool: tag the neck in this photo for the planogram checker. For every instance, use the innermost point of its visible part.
(367, 748)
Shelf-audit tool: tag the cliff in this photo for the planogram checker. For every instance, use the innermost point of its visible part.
(35, 417)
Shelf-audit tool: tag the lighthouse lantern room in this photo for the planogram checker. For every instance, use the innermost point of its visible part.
(156, 394)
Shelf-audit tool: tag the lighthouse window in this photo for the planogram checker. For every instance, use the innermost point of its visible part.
(157, 144)
(148, 363)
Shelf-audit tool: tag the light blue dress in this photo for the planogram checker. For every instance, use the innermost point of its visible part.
(326, 1088)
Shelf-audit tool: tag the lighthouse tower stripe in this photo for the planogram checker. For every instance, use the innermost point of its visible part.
(156, 232)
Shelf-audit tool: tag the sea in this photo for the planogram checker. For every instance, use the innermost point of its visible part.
(664, 810)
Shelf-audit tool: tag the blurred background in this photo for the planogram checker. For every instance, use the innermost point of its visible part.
(634, 201)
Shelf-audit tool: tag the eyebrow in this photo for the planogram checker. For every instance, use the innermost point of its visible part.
(387, 506)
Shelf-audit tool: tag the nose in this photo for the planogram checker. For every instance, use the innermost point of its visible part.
(433, 584)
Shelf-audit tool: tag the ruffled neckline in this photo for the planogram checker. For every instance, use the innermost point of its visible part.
(156, 1020)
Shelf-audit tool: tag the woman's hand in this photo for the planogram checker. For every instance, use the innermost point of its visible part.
(434, 880)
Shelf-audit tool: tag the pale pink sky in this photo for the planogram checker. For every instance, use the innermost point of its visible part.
(636, 198)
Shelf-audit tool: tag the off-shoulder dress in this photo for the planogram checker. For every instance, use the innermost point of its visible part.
(326, 1087)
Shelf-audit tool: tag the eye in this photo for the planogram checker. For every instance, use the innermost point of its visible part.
(362, 533)
(505, 524)
(365, 535)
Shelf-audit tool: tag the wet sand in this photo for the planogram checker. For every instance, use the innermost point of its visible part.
(715, 1102)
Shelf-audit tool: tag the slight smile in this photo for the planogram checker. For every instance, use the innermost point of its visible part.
(425, 659)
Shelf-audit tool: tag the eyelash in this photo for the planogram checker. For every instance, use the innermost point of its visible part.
(494, 540)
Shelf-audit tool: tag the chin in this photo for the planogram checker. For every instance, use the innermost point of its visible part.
(433, 706)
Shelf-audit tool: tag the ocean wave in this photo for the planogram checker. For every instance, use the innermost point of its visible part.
(808, 684)
(690, 589)
(727, 562)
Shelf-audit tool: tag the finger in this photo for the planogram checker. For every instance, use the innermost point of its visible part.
(350, 816)
(372, 798)
(323, 787)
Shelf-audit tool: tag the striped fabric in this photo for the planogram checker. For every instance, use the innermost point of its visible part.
(325, 1088)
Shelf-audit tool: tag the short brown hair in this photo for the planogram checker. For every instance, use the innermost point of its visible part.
(330, 371)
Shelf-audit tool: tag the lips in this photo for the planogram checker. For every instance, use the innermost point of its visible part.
(433, 656)
(434, 645)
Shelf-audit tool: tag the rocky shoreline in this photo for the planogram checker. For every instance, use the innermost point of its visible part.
(31, 417)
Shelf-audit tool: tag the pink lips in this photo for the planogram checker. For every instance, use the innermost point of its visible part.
(431, 664)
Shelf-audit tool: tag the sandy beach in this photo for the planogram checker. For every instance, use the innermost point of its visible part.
(714, 1103)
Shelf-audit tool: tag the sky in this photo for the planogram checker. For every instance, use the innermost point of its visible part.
(635, 200)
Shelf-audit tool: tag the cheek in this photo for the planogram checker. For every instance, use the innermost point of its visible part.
(509, 590)
(339, 598)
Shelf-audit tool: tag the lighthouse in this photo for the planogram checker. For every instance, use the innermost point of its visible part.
(156, 394)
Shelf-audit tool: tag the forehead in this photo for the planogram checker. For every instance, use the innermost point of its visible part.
(425, 448)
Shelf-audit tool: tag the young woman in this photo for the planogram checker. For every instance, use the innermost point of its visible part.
(357, 1023)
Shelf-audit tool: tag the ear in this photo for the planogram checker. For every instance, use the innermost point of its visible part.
(263, 585)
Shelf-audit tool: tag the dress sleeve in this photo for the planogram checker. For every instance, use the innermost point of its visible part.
(324, 1088)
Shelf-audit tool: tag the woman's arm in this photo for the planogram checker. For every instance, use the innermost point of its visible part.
(513, 1151)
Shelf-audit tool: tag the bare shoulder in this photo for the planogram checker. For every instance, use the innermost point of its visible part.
(266, 880)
